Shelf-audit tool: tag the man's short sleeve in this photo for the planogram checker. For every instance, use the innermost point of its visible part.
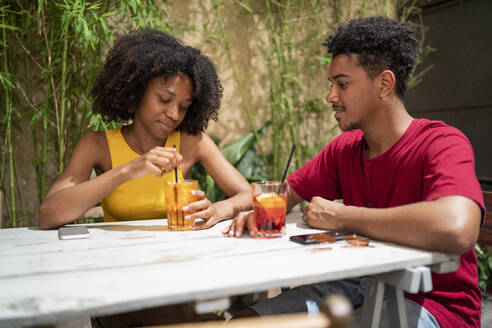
(318, 177)
(449, 168)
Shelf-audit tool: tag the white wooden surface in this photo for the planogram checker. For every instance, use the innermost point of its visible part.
(134, 265)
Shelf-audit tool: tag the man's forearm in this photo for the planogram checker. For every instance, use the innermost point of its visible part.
(449, 224)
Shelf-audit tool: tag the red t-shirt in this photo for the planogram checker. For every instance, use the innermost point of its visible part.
(429, 161)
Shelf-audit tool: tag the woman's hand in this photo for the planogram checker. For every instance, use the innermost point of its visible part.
(204, 209)
(243, 220)
(157, 161)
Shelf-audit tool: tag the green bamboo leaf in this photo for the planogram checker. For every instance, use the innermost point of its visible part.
(133, 6)
(40, 5)
(87, 33)
(217, 3)
(94, 6)
(9, 27)
(104, 25)
(122, 8)
(6, 80)
(109, 13)
(245, 6)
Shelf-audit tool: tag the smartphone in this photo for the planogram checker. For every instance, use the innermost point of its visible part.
(323, 237)
(75, 232)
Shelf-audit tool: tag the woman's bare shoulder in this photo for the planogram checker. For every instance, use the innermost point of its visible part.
(190, 141)
(200, 144)
(196, 142)
(95, 140)
(93, 146)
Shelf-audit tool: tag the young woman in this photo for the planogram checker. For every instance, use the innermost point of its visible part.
(168, 92)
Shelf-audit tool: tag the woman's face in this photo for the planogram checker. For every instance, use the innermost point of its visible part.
(164, 104)
(352, 94)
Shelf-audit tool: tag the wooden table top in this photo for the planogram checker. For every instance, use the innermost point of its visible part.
(138, 264)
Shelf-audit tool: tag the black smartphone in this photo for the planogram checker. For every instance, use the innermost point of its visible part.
(75, 232)
(318, 238)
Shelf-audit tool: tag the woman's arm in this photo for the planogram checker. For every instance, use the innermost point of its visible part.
(74, 192)
(227, 178)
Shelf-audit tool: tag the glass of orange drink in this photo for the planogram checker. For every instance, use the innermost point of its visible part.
(270, 204)
(178, 194)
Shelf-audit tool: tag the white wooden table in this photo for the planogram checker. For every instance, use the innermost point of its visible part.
(134, 265)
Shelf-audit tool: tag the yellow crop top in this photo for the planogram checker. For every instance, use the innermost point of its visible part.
(139, 199)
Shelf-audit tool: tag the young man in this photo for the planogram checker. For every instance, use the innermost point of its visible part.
(402, 180)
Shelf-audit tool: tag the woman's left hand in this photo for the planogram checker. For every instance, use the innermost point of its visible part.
(204, 209)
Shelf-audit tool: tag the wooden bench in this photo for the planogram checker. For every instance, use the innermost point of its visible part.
(485, 237)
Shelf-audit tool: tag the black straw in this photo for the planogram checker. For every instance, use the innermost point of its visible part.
(176, 196)
(287, 167)
(175, 170)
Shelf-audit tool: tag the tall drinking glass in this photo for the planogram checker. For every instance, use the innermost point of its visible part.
(270, 204)
(178, 195)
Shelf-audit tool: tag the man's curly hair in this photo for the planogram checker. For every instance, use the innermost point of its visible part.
(141, 55)
(380, 43)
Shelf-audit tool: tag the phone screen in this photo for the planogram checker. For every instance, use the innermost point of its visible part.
(73, 232)
(327, 237)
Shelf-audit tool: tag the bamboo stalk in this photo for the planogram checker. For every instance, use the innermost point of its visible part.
(8, 108)
(61, 137)
(42, 167)
(50, 67)
(276, 92)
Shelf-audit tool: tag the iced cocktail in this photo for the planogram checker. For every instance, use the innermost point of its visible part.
(270, 204)
(179, 195)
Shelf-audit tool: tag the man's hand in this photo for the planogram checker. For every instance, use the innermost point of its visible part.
(237, 226)
(321, 213)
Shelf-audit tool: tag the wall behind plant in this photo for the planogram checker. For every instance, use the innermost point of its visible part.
(268, 55)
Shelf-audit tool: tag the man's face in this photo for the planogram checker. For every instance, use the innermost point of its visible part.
(352, 92)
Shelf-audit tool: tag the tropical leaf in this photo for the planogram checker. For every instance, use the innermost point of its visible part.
(241, 154)
(234, 151)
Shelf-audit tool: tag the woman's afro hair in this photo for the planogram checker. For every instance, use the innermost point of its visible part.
(141, 55)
